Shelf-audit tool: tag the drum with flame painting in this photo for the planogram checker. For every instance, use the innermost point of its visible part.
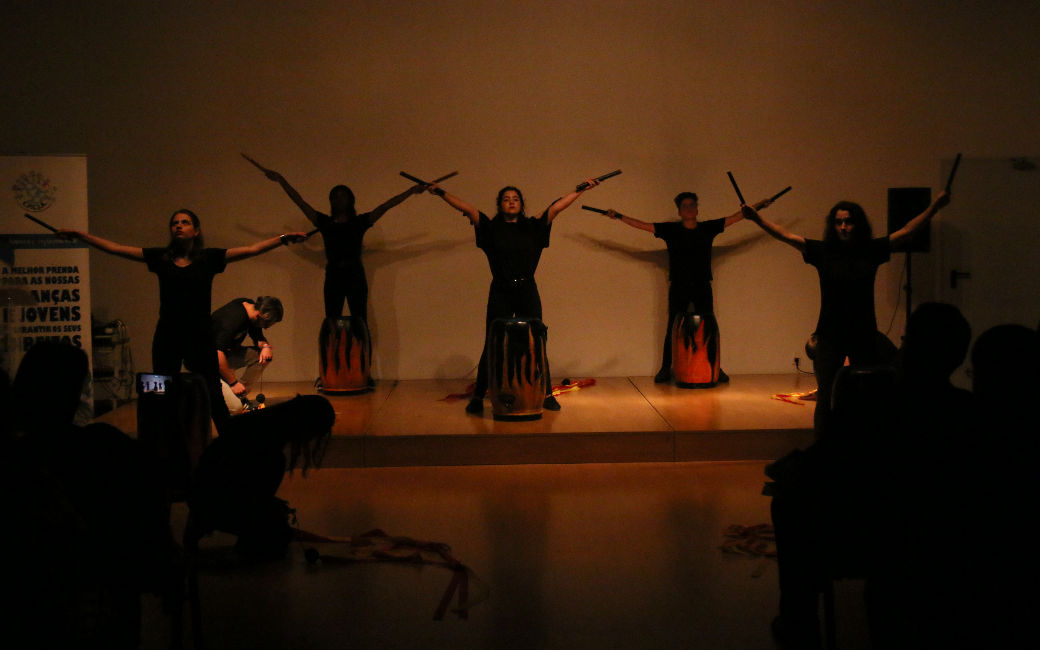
(518, 371)
(695, 351)
(345, 353)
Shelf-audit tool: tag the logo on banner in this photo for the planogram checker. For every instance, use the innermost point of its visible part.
(34, 192)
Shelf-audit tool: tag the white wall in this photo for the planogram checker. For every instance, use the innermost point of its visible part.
(839, 100)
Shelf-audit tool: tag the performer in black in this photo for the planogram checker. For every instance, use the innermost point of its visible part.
(513, 243)
(231, 324)
(846, 260)
(185, 268)
(689, 265)
(342, 230)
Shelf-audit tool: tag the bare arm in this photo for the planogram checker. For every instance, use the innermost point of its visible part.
(632, 221)
(904, 234)
(244, 252)
(135, 253)
(738, 216)
(751, 214)
(380, 210)
(564, 202)
(465, 208)
(309, 212)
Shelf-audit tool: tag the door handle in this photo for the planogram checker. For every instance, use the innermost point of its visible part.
(956, 275)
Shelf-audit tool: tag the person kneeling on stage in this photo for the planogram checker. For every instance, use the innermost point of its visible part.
(241, 366)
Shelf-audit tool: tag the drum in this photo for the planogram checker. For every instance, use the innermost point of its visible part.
(517, 368)
(345, 352)
(695, 351)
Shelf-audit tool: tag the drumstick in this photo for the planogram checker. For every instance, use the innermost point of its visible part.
(592, 209)
(778, 194)
(949, 181)
(585, 186)
(41, 222)
(422, 182)
(734, 181)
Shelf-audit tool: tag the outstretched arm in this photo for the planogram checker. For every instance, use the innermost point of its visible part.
(308, 211)
(562, 203)
(751, 214)
(739, 215)
(904, 234)
(135, 253)
(381, 209)
(244, 252)
(632, 221)
(465, 208)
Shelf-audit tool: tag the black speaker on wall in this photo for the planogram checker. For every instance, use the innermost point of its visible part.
(905, 203)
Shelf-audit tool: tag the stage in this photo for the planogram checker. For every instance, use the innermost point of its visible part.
(620, 419)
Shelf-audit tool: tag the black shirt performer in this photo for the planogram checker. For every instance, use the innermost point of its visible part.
(513, 243)
(231, 324)
(846, 260)
(689, 264)
(185, 268)
(342, 231)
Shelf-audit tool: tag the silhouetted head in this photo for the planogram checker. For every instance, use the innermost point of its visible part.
(686, 203)
(936, 343)
(341, 201)
(1004, 365)
(303, 424)
(510, 202)
(270, 311)
(847, 223)
(47, 387)
(185, 235)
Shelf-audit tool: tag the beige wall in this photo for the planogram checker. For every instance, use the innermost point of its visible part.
(839, 100)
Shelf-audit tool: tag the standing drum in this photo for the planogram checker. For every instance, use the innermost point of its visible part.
(517, 368)
(345, 352)
(695, 351)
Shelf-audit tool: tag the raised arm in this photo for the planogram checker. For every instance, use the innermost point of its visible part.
(904, 234)
(135, 253)
(751, 214)
(381, 209)
(562, 203)
(244, 252)
(309, 212)
(465, 208)
(738, 215)
(632, 221)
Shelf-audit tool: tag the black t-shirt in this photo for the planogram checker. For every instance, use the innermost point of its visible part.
(231, 324)
(847, 274)
(343, 239)
(185, 291)
(513, 248)
(689, 249)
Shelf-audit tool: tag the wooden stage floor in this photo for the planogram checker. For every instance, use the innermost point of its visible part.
(408, 423)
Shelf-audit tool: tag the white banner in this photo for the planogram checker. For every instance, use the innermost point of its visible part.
(44, 281)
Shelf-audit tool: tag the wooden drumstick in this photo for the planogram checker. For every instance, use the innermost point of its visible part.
(41, 222)
(592, 209)
(585, 186)
(734, 182)
(778, 194)
(422, 182)
(949, 181)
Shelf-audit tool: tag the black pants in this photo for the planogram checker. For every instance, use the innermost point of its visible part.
(863, 349)
(509, 299)
(192, 345)
(346, 283)
(684, 297)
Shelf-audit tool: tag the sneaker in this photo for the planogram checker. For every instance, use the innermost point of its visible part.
(475, 406)
(663, 376)
(550, 403)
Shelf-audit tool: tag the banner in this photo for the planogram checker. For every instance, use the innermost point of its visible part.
(44, 280)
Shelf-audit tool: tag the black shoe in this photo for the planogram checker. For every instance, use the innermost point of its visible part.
(723, 377)
(475, 406)
(663, 376)
(550, 403)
